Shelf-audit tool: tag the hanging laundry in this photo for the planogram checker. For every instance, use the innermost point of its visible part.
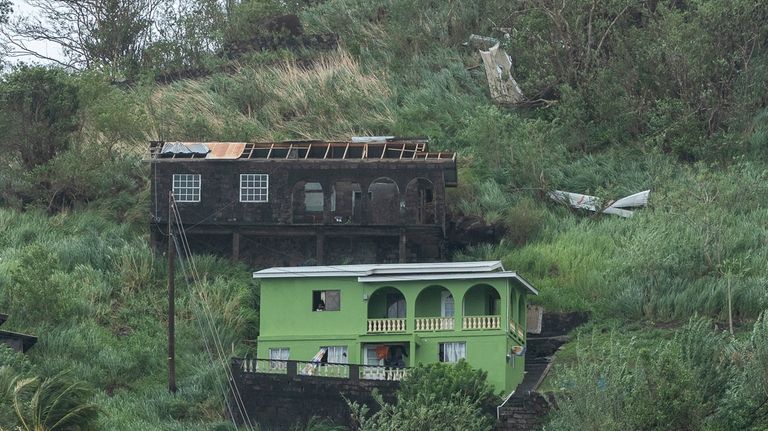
(382, 351)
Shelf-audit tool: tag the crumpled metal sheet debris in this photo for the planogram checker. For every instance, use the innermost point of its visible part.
(184, 148)
(498, 71)
(593, 203)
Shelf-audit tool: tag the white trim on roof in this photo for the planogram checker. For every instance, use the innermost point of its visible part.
(383, 269)
(464, 276)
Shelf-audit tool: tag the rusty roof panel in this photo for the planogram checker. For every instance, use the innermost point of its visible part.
(225, 150)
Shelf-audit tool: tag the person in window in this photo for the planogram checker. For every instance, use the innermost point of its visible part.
(320, 306)
(397, 358)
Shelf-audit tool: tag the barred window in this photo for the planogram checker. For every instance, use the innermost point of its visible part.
(186, 187)
(254, 188)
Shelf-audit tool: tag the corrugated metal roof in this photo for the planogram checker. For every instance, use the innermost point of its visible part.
(378, 269)
(225, 150)
(184, 148)
(375, 273)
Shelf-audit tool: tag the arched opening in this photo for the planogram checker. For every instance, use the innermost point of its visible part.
(386, 311)
(346, 202)
(386, 303)
(308, 202)
(435, 309)
(420, 201)
(482, 308)
(384, 196)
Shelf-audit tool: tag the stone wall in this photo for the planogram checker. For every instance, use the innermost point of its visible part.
(280, 401)
(525, 413)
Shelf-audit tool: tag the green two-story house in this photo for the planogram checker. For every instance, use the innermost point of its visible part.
(390, 317)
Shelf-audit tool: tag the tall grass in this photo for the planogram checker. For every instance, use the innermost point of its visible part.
(94, 294)
(333, 97)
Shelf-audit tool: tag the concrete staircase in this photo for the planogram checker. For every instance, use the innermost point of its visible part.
(526, 408)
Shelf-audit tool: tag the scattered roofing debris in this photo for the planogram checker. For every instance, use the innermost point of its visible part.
(593, 203)
(498, 70)
(16, 341)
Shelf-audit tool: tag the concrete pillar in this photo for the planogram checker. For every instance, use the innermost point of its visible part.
(235, 247)
(320, 247)
(403, 249)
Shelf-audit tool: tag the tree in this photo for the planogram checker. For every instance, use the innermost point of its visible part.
(53, 404)
(38, 114)
(110, 33)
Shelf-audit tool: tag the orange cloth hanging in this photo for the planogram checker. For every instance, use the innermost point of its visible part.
(382, 351)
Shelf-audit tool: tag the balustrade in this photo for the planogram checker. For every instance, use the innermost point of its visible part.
(481, 322)
(433, 324)
(386, 325)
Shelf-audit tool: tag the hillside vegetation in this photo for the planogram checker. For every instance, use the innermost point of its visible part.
(624, 96)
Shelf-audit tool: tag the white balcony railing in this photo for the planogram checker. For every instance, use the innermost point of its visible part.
(376, 326)
(433, 324)
(481, 322)
(517, 330)
(382, 373)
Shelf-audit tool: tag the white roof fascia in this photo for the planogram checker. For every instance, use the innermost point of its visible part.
(364, 270)
(463, 276)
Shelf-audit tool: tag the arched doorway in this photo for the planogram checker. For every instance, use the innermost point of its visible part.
(384, 196)
(481, 308)
(435, 309)
(346, 202)
(386, 310)
(308, 202)
(420, 201)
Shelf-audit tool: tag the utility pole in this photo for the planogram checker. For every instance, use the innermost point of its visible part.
(171, 301)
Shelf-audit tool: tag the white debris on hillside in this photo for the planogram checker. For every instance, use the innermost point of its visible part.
(498, 70)
(593, 203)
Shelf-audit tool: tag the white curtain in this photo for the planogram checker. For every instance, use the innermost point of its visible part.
(338, 355)
(455, 351)
(278, 355)
(448, 308)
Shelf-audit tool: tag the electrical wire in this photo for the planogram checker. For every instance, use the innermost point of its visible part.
(190, 269)
(207, 312)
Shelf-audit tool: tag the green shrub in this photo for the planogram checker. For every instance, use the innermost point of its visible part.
(445, 396)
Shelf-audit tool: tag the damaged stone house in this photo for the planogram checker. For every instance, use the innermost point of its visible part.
(372, 199)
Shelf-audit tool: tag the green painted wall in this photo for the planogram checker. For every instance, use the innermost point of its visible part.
(288, 321)
(428, 303)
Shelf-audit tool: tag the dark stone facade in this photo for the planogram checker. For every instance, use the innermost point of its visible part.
(525, 413)
(280, 401)
(383, 210)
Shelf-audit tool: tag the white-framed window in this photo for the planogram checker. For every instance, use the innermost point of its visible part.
(452, 352)
(337, 354)
(186, 187)
(277, 356)
(254, 188)
(326, 300)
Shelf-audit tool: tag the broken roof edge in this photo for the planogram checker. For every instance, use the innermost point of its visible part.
(365, 270)
(27, 340)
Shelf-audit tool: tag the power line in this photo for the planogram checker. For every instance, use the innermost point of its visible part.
(182, 247)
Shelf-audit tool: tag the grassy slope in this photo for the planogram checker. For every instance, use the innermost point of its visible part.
(402, 73)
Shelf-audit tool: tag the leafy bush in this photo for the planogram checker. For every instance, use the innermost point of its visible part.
(695, 380)
(450, 397)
